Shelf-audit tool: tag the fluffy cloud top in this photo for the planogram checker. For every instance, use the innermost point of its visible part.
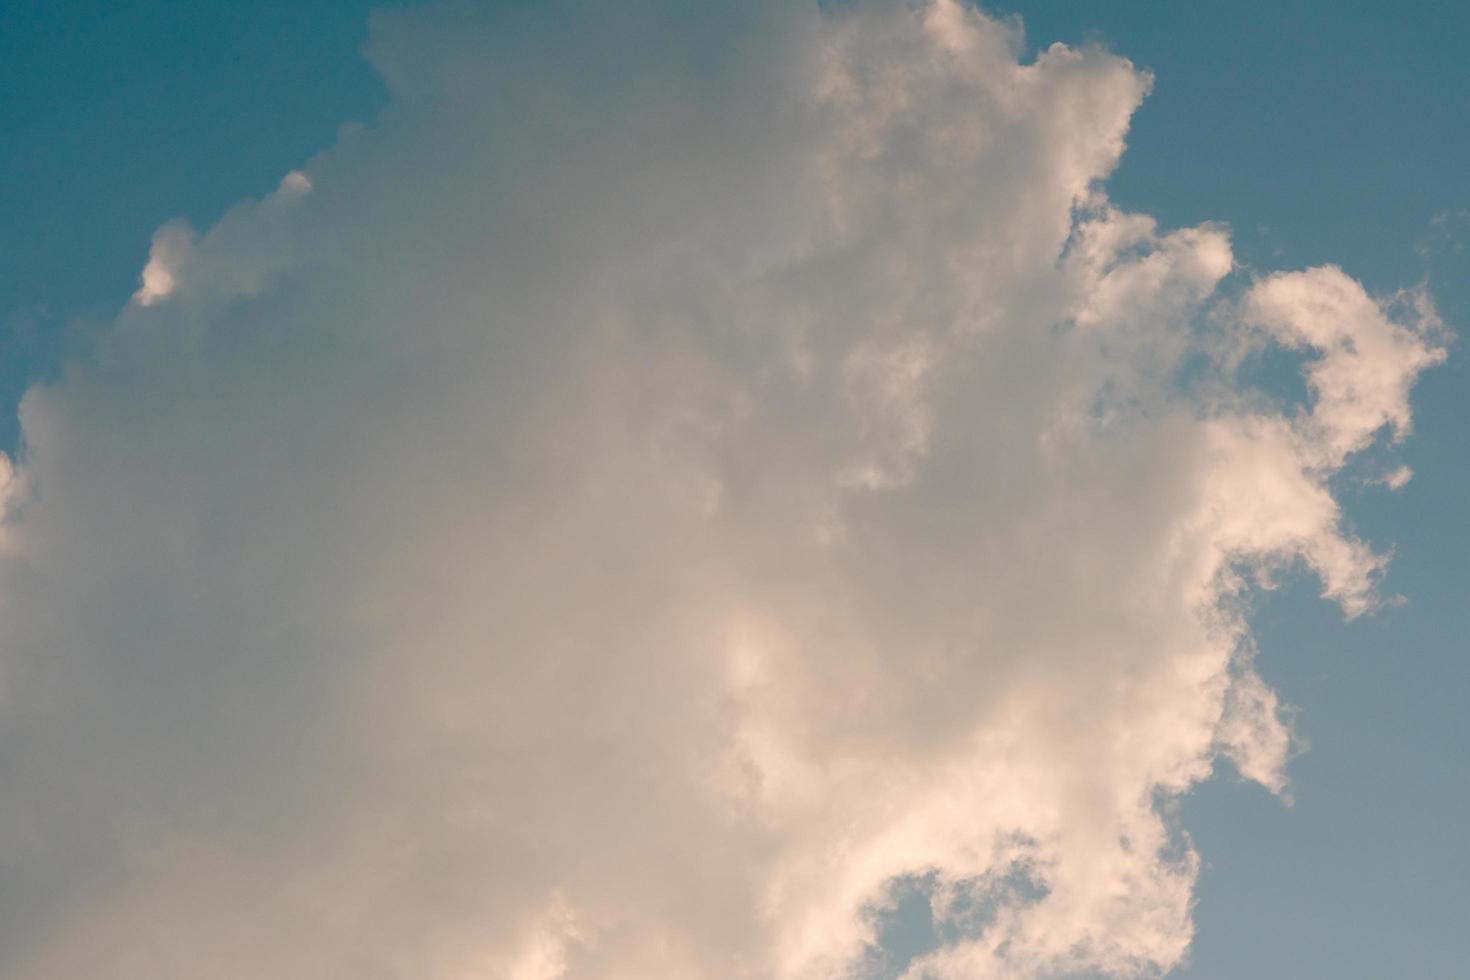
(684, 478)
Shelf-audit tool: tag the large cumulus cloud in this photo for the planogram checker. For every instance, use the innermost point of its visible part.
(682, 479)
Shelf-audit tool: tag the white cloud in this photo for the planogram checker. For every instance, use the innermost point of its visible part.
(295, 182)
(171, 246)
(1398, 478)
(677, 475)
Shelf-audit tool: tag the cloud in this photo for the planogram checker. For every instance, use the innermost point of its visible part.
(171, 246)
(679, 478)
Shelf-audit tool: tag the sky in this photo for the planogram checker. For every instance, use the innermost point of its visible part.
(850, 490)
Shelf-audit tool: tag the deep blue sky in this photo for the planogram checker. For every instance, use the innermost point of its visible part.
(1319, 131)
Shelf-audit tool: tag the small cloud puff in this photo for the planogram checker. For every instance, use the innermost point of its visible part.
(295, 182)
(172, 245)
(1398, 478)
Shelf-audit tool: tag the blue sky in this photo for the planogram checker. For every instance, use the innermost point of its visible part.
(1317, 132)
(1333, 133)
